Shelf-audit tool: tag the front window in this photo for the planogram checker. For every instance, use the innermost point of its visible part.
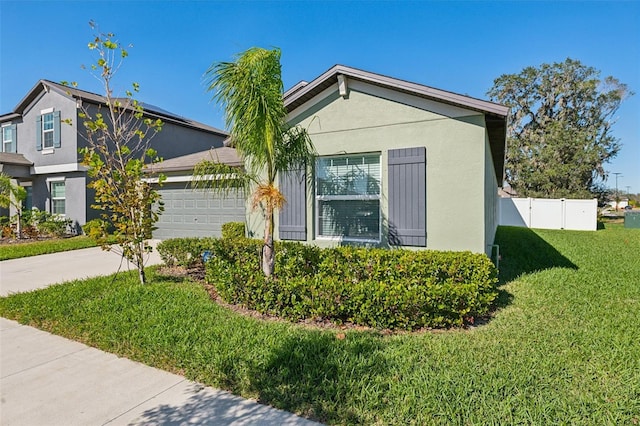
(47, 130)
(7, 140)
(28, 202)
(348, 197)
(57, 198)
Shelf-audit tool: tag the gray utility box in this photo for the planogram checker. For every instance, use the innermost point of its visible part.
(632, 219)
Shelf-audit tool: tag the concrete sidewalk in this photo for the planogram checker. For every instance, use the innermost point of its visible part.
(49, 380)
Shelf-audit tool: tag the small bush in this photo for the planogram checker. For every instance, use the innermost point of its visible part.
(233, 230)
(185, 252)
(396, 289)
(40, 223)
(97, 228)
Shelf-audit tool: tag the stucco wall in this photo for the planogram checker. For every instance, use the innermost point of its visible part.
(371, 119)
(174, 140)
(27, 130)
(491, 199)
(76, 203)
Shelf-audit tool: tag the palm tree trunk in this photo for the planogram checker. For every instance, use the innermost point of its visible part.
(268, 252)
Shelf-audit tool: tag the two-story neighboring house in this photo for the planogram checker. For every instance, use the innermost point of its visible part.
(40, 151)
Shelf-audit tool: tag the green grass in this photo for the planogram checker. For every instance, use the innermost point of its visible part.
(563, 347)
(18, 250)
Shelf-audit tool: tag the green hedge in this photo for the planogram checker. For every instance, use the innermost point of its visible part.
(185, 252)
(233, 230)
(395, 289)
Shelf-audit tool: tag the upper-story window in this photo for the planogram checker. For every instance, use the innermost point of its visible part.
(8, 138)
(47, 130)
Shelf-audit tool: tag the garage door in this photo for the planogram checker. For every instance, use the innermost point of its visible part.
(196, 213)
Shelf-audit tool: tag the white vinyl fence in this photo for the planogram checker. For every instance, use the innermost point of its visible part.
(543, 213)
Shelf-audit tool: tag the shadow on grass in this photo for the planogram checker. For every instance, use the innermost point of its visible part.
(522, 251)
(313, 373)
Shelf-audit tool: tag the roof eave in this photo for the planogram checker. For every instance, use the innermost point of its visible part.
(294, 98)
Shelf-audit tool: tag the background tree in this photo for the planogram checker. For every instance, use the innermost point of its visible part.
(12, 195)
(559, 134)
(118, 146)
(250, 89)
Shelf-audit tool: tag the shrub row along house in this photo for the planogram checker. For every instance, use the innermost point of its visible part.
(399, 164)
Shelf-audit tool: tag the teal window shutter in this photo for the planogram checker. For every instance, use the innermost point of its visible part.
(56, 129)
(39, 133)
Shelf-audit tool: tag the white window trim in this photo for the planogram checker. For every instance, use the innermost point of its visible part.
(56, 179)
(48, 149)
(46, 111)
(348, 197)
(51, 181)
(3, 141)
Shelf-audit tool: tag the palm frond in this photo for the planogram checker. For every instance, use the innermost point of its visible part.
(220, 178)
(269, 196)
(250, 89)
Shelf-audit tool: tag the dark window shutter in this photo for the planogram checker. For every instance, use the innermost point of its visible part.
(56, 129)
(14, 136)
(407, 197)
(293, 216)
(39, 133)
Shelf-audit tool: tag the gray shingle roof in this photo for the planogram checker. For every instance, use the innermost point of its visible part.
(225, 155)
(149, 110)
(15, 159)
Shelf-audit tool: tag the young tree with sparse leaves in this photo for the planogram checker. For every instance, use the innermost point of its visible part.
(118, 139)
(251, 89)
(559, 134)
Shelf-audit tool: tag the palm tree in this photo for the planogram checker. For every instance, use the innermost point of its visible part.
(12, 195)
(250, 89)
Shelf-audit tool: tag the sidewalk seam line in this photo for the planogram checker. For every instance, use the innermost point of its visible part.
(145, 401)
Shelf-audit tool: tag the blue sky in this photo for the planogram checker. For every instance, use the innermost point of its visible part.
(456, 46)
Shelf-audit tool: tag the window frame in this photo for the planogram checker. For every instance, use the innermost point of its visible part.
(8, 128)
(53, 199)
(359, 197)
(50, 131)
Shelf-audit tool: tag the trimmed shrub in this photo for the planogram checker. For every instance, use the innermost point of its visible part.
(185, 252)
(233, 230)
(396, 289)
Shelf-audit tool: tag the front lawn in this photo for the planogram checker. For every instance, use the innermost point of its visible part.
(562, 347)
(15, 250)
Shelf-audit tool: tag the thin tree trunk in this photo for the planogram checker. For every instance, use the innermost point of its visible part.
(19, 225)
(141, 274)
(268, 252)
(139, 260)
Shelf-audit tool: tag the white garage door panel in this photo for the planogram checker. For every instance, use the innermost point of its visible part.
(189, 213)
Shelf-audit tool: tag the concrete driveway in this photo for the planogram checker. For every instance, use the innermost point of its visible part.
(49, 380)
(30, 273)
